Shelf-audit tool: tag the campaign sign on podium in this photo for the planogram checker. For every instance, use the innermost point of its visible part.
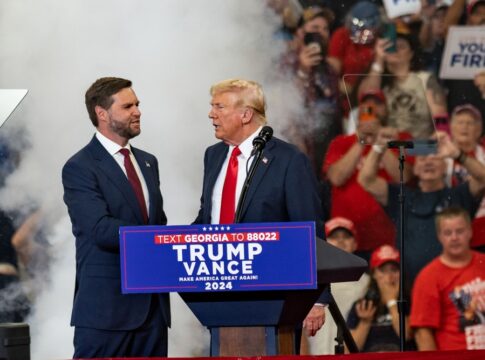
(210, 258)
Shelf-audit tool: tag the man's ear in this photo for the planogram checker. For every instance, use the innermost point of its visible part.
(247, 115)
(101, 113)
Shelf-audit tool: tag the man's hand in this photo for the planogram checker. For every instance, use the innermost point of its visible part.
(367, 131)
(365, 310)
(309, 57)
(372, 133)
(386, 134)
(380, 47)
(314, 320)
(446, 147)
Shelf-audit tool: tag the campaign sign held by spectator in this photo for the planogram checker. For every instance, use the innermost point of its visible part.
(464, 54)
(395, 8)
(235, 257)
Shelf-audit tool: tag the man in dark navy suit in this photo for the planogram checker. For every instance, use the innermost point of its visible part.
(284, 187)
(109, 184)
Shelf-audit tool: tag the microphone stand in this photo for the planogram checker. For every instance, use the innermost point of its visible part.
(343, 332)
(401, 303)
(247, 182)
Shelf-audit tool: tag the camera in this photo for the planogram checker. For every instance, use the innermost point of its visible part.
(367, 112)
(316, 40)
(388, 31)
(372, 295)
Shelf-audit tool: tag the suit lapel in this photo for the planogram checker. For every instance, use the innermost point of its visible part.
(113, 172)
(263, 167)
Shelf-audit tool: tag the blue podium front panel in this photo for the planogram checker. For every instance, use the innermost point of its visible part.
(211, 258)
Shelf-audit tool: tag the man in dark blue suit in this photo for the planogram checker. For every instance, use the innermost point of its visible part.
(109, 184)
(284, 187)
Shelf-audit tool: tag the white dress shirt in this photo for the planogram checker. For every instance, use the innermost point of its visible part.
(113, 149)
(246, 147)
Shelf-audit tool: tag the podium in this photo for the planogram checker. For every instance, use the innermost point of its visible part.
(262, 323)
(250, 284)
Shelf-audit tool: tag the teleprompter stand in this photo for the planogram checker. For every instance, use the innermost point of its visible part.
(401, 145)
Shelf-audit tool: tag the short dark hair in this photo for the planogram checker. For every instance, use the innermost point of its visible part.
(100, 94)
(452, 212)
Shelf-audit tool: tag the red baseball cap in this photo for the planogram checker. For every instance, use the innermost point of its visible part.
(384, 254)
(374, 93)
(339, 223)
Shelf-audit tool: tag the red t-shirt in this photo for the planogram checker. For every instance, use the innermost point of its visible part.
(440, 296)
(374, 227)
(355, 58)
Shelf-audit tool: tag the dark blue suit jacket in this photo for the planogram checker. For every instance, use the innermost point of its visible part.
(284, 187)
(100, 199)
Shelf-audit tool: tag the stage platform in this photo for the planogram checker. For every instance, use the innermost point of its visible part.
(411, 355)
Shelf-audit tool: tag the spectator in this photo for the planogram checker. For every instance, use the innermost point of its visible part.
(374, 320)
(290, 13)
(344, 160)
(14, 305)
(448, 294)
(318, 84)
(351, 48)
(432, 35)
(31, 244)
(466, 91)
(342, 7)
(340, 232)
(413, 96)
(466, 127)
(422, 203)
(471, 12)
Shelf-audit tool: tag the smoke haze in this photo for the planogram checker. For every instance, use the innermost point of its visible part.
(172, 50)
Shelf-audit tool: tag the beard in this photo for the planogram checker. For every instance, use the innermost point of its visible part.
(123, 129)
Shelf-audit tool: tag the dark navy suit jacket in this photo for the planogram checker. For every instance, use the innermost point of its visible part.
(100, 199)
(284, 187)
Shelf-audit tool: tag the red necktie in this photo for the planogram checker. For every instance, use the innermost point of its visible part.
(228, 204)
(135, 183)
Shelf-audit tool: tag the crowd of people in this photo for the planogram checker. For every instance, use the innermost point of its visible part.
(380, 78)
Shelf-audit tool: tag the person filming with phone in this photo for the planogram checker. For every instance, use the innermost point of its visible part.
(318, 84)
(374, 319)
(413, 96)
(343, 161)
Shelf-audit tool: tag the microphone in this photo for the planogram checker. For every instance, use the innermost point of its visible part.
(396, 144)
(263, 137)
